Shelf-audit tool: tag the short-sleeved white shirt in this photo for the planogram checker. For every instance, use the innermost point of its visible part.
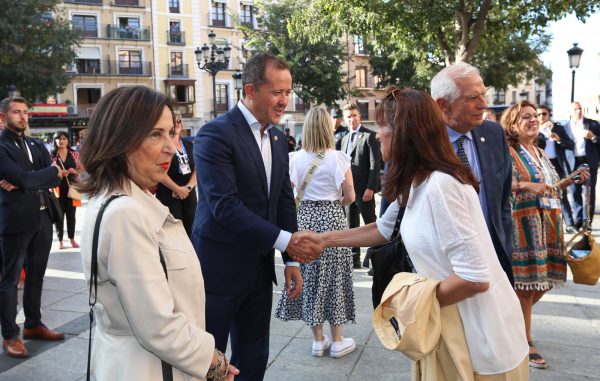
(326, 183)
(444, 232)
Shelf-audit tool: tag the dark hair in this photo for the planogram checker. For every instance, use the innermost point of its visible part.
(509, 118)
(544, 107)
(7, 101)
(254, 70)
(420, 143)
(55, 139)
(121, 121)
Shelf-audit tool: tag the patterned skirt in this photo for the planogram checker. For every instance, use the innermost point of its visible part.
(537, 259)
(327, 294)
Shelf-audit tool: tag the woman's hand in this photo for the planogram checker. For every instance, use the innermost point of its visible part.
(538, 188)
(181, 192)
(232, 371)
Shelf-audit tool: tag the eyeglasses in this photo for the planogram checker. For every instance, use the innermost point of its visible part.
(542, 113)
(178, 121)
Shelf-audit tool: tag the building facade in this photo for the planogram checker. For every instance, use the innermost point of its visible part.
(116, 50)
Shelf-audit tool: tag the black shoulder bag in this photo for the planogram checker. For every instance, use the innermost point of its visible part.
(388, 260)
(167, 370)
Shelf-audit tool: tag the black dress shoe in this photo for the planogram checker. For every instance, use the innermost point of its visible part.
(570, 229)
(357, 265)
(370, 272)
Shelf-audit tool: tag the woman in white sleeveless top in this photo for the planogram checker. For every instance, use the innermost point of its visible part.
(327, 291)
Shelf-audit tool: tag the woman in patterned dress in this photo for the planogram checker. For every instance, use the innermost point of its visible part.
(327, 292)
(537, 258)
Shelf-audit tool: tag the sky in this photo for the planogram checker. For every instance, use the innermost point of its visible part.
(565, 32)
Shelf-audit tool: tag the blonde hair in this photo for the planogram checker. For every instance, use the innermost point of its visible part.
(317, 132)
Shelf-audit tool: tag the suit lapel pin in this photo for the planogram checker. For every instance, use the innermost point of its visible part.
(275, 138)
(482, 139)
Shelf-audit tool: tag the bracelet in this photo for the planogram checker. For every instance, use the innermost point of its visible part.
(220, 370)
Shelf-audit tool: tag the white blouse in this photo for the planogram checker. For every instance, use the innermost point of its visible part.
(326, 184)
(444, 232)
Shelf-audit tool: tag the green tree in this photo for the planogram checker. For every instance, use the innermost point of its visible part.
(36, 45)
(502, 37)
(315, 63)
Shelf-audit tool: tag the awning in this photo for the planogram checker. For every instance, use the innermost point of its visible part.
(88, 53)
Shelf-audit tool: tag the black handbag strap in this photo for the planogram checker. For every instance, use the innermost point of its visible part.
(396, 231)
(167, 369)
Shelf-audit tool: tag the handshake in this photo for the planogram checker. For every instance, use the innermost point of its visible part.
(305, 246)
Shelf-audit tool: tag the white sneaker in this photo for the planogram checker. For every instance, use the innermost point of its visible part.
(319, 347)
(342, 348)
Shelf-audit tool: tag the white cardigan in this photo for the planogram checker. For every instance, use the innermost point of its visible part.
(444, 231)
(140, 318)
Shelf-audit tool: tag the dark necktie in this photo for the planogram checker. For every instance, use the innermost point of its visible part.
(460, 152)
(351, 142)
(21, 144)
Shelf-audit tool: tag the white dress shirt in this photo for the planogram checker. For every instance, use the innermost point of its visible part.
(264, 146)
(578, 132)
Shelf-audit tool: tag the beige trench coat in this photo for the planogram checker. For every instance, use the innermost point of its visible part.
(140, 318)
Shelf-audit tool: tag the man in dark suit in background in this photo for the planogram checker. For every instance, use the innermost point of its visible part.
(246, 210)
(25, 225)
(553, 139)
(460, 93)
(365, 157)
(586, 135)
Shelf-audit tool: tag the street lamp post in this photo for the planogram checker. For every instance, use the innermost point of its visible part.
(12, 90)
(237, 82)
(213, 59)
(574, 58)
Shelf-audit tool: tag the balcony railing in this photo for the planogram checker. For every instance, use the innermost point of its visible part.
(178, 71)
(127, 3)
(214, 20)
(174, 9)
(127, 32)
(85, 110)
(111, 67)
(175, 38)
(87, 33)
(130, 68)
(93, 2)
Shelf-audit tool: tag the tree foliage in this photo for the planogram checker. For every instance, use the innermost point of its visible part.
(315, 63)
(502, 37)
(35, 48)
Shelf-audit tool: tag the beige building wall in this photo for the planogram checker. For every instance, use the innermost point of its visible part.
(116, 49)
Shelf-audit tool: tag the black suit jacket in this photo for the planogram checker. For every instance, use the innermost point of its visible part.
(20, 208)
(565, 143)
(237, 219)
(592, 153)
(496, 171)
(366, 160)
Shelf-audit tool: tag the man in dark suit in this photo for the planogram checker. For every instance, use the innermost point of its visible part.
(246, 210)
(460, 93)
(365, 155)
(585, 133)
(25, 225)
(554, 140)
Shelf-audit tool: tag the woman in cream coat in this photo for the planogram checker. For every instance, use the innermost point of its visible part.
(141, 318)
